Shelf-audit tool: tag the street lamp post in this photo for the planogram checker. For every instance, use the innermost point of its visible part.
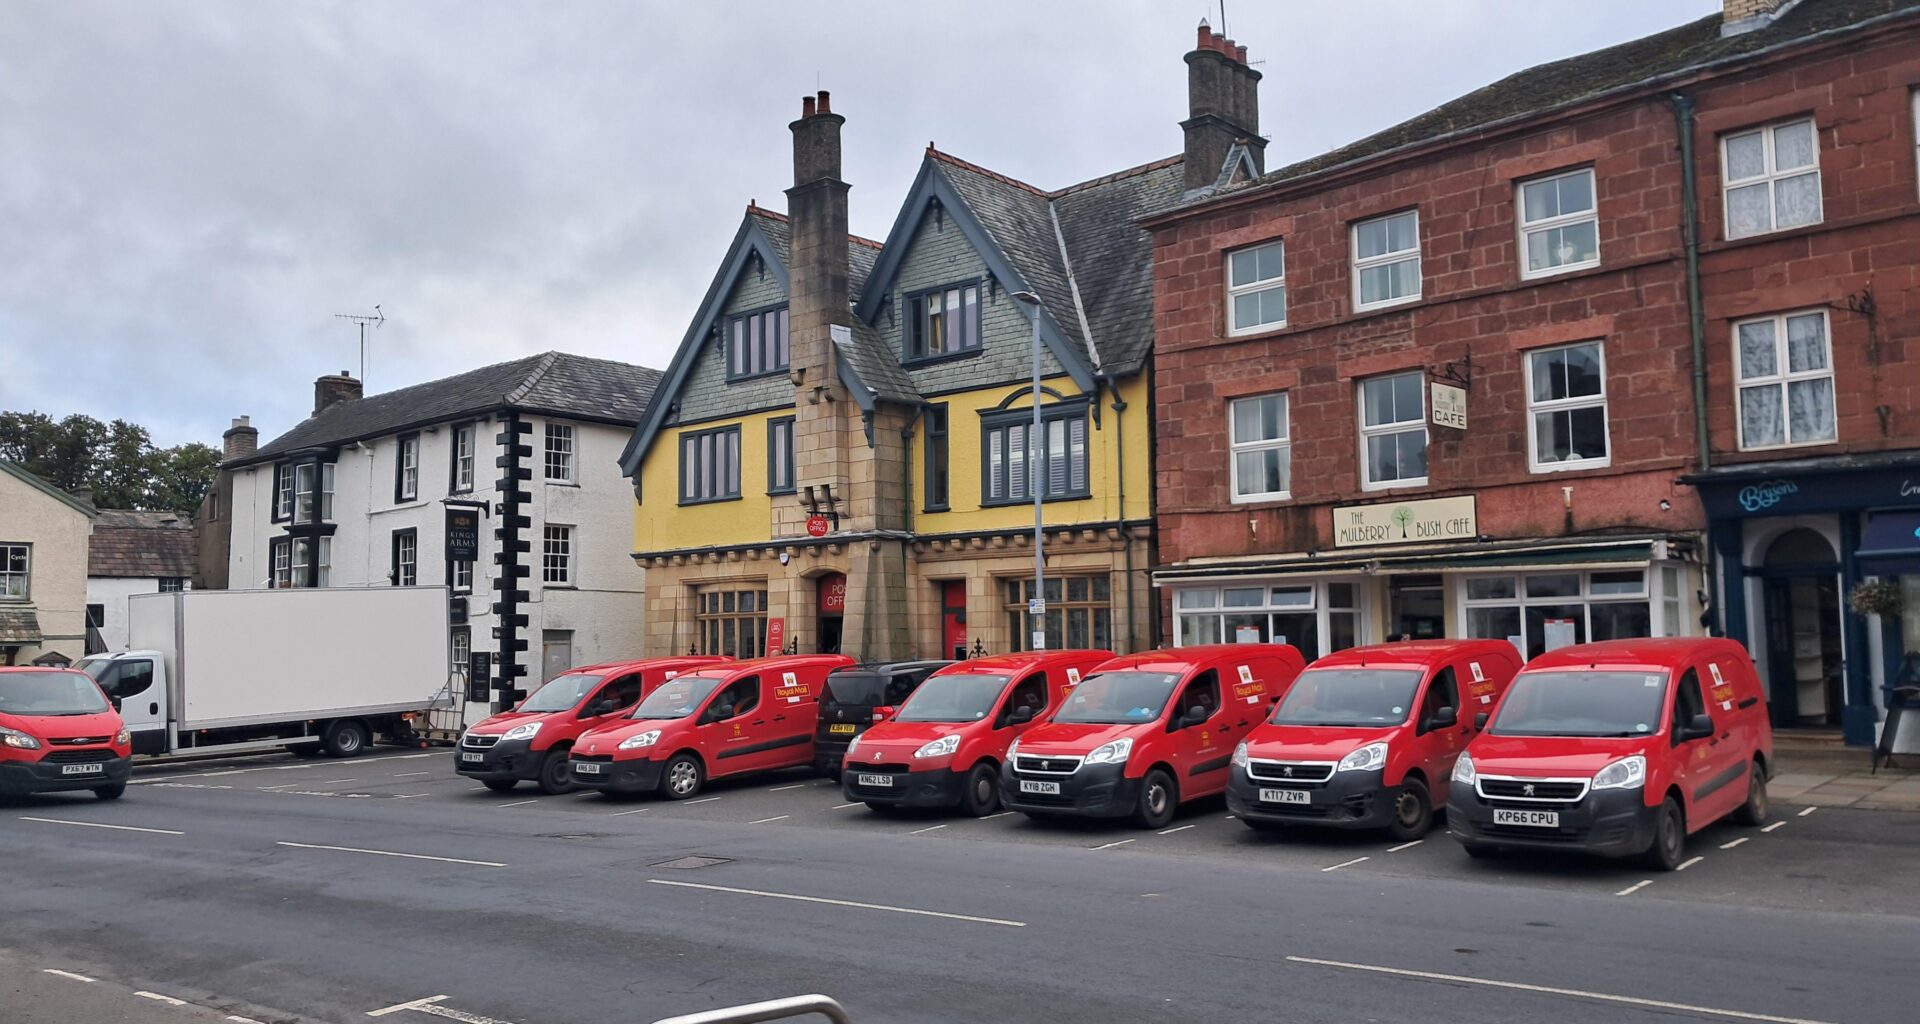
(1037, 607)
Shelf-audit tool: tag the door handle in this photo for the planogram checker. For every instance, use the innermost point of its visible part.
(153, 709)
(1726, 735)
(1243, 723)
(760, 722)
(779, 718)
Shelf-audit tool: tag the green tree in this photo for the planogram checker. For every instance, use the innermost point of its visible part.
(117, 460)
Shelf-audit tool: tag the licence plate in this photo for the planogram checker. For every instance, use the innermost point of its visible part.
(82, 769)
(1535, 819)
(843, 729)
(1285, 796)
(1033, 786)
(874, 780)
(586, 767)
(472, 758)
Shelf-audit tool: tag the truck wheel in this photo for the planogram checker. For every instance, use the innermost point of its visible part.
(1669, 838)
(500, 785)
(556, 775)
(344, 739)
(1412, 811)
(1158, 800)
(683, 777)
(1754, 811)
(110, 792)
(982, 796)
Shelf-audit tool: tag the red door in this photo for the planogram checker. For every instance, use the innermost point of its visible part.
(1201, 752)
(731, 735)
(953, 619)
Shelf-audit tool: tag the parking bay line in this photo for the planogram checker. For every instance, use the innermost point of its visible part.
(1110, 846)
(1736, 842)
(97, 824)
(1346, 864)
(390, 853)
(777, 817)
(1405, 846)
(1773, 826)
(702, 800)
(636, 810)
(783, 789)
(1605, 997)
(842, 807)
(840, 903)
(1635, 887)
(158, 998)
(930, 828)
(1689, 862)
(69, 975)
(1804, 811)
(1176, 828)
(516, 803)
(282, 767)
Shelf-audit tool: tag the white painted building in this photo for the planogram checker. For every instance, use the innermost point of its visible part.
(359, 495)
(133, 553)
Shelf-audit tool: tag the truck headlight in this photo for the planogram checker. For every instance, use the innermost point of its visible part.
(1240, 755)
(18, 740)
(1464, 772)
(645, 739)
(522, 732)
(941, 747)
(1626, 773)
(1367, 758)
(1111, 753)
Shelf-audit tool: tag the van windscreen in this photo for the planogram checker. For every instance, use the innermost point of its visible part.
(1116, 698)
(51, 694)
(1353, 697)
(561, 692)
(955, 698)
(677, 698)
(1582, 704)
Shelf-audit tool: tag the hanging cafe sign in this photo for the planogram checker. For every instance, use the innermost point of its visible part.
(1405, 522)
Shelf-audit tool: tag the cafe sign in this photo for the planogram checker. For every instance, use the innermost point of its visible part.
(1405, 522)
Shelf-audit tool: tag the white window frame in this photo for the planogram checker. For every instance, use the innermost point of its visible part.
(1367, 483)
(1211, 601)
(460, 576)
(556, 555)
(410, 468)
(406, 560)
(1784, 378)
(1649, 597)
(557, 462)
(25, 576)
(1771, 176)
(466, 438)
(1527, 228)
(1283, 444)
(323, 572)
(1396, 256)
(283, 492)
(1257, 286)
(280, 563)
(1536, 408)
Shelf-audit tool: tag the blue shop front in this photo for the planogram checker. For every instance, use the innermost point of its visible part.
(1792, 542)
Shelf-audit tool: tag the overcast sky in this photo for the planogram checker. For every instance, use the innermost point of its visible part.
(190, 190)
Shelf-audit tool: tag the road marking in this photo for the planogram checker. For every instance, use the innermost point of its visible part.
(96, 824)
(1736, 842)
(460, 1015)
(516, 803)
(409, 775)
(1575, 993)
(783, 789)
(777, 817)
(336, 782)
(283, 785)
(284, 767)
(1110, 846)
(158, 998)
(842, 807)
(1635, 887)
(1230, 817)
(840, 903)
(1345, 864)
(1176, 828)
(408, 796)
(1804, 811)
(702, 800)
(989, 817)
(1689, 862)
(241, 1020)
(397, 1007)
(918, 831)
(390, 853)
(69, 975)
(1773, 826)
(637, 810)
(1405, 846)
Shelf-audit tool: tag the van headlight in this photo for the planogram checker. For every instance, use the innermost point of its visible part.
(125, 737)
(1012, 749)
(941, 747)
(1626, 773)
(1367, 758)
(1240, 755)
(18, 740)
(1463, 771)
(522, 732)
(1111, 753)
(853, 745)
(645, 739)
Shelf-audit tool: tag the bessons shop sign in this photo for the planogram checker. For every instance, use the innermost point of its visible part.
(1800, 493)
(1405, 522)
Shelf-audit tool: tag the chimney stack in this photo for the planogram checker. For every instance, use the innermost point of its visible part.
(817, 300)
(1741, 16)
(241, 440)
(338, 387)
(1223, 107)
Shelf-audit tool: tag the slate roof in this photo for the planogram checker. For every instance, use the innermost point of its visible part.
(19, 627)
(34, 481)
(551, 383)
(141, 545)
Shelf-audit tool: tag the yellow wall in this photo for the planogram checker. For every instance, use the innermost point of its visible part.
(964, 461)
(661, 523)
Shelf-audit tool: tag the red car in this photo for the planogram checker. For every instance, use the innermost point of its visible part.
(1146, 732)
(1621, 748)
(1368, 735)
(729, 719)
(531, 742)
(945, 745)
(59, 733)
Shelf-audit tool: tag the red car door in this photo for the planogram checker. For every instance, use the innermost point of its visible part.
(788, 719)
(732, 730)
(1695, 761)
(1201, 752)
(1438, 746)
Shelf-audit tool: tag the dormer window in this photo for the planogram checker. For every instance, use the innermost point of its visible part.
(943, 321)
(757, 343)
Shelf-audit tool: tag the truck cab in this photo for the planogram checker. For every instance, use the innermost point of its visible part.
(136, 683)
(1147, 732)
(722, 720)
(856, 698)
(58, 733)
(945, 745)
(1367, 736)
(532, 742)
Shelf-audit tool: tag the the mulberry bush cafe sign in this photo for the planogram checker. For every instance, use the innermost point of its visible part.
(1405, 522)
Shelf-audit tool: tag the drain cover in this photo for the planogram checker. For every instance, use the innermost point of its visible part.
(693, 863)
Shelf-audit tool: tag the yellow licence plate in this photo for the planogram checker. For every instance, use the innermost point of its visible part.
(848, 727)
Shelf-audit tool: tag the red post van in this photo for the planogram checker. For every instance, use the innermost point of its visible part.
(59, 733)
(1146, 732)
(532, 742)
(945, 745)
(1367, 736)
(729, 719)
(1618, 748)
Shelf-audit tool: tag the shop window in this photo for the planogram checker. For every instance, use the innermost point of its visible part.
(1079, 612)
(1316, 618)
(1785, 366)
(731, 621)
(1545, 611)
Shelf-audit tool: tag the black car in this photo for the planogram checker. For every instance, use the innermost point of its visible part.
(851, 697)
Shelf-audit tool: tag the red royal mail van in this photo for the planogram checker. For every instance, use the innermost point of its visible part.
(730, 719)
(945, 745)
(1147, 731)
(58, 732)
(1618, 748)
(532, 742)
(1368, 735)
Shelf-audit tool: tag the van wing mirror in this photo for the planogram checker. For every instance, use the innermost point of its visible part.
(1480, 721)
(1443, 718)
(1699, 727)
(1020, 715)
(1193, 717)
(601, 707)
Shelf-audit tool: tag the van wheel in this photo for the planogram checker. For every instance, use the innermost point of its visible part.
(344, 739)
(1158, 800)
(683, 777)
(1412, 811)
(982, 796)
(1669, 838)
(556, 775)
(500, 785)
(1481, 851)
(1754, 811)
(112, 791)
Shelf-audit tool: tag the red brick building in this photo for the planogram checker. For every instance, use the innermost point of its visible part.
(1499, 371)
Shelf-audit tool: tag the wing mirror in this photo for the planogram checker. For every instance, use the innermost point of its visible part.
(1699, 727)
(719, 712)
(1020, 715)
(1193, 717)
(600, 707)
(1441, 719)
(1480, 721)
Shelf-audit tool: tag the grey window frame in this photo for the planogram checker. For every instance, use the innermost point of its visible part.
(776, 428)
(938, 428)
(912, 346)
(773, 356)
(722, 435)
(1003, 421)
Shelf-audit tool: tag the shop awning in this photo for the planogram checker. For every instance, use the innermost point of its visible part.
(1623, 553)
(1890, 544)
(19, 627)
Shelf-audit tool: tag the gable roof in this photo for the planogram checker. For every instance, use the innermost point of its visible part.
(141, 545)
(551, 383)
(38, 483)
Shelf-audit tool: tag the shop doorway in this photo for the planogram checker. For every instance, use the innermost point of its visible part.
(953, 618)
(1416, 608)
(833, 610)
(1805, 661)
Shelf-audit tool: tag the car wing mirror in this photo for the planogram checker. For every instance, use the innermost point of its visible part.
(1480, 721)
(598, 708)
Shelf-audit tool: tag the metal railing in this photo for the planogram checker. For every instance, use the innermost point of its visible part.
(772, 1009)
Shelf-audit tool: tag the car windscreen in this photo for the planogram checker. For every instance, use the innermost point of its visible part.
(561, 692)
(1114, 698)
(1353, 697)
(955, 698)
(867, 688)
(1582, 704)
(50, 694)
(677, 698)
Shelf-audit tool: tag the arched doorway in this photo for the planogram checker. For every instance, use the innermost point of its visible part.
(1806, 665)
(832, 606)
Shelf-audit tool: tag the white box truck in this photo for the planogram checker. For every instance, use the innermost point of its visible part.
(312, 670)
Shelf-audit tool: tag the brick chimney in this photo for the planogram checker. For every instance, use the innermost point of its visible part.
(1223, 107)
(817, 304)
(240, 440)
(1741, 16)
(334, 388)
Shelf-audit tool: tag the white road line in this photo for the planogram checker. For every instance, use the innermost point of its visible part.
(1405, 846)
(158, 998)
(397, 1007)
(931, 828)
(1635, 887)
(1110, 846)
(1345, 864)
(1807, 810)
(783, 789)
(1689, 862)
(409, 775)
(96, 824)
(637, 810)
(517, 803)
(241, 1020)
(69, 975)
(842, 807)
(777, 817)
(1176, 828)
(1002, 814)
(1230, 817)
(1736, 842)
(408, 796)
(1575, 993)
(390, 853)
(336, 782)
(285, 767)
(460, 1015)
(702, 800)
(283, 785)
(1773, 826)
(840, 903)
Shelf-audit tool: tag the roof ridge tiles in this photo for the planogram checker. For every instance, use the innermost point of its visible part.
(754, 209)
(520, 393)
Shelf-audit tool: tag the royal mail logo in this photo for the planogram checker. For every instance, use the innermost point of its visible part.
(1766, 494)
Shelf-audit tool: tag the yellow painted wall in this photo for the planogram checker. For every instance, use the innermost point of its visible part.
(661, 523)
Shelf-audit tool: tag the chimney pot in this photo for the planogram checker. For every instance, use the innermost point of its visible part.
(1205, 39)
(825, 107)
(240, 439)
(1222, 109)
(1240, 54)
(329, 390)
(806, 106)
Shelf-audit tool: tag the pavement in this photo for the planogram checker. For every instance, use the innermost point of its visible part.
(279, 890)
(1842, 778)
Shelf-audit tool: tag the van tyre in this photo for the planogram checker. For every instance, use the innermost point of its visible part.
(1158, 800)
(500, 785)
(1412, 811)
(1669, 838)
(556, 774)
(344, 739)
(982, 795)
(682, 778)
(1754, 811)
(112, 791)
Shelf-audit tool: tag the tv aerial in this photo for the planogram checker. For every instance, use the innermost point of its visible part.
(363, 321)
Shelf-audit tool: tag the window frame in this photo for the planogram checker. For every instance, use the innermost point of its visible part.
(777, 426)
(25, 575)
(710, 618)
(1015, 591)
(564, 454)
(725, 436)
(1196, 603)
(406, 463)
(938, 426)
(1770, 176)
(1535, 408)
(1357, 263)
(1561, 220)
(1367, 483)
(776, 351)
(469, 433)
(1783, 378)
(556, 562)
(405, 573)
(1235, 447)
(460, 577)
(1003, 421)
(1256, 287)
(282, 492)
(1585, 597)
(910, 333)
